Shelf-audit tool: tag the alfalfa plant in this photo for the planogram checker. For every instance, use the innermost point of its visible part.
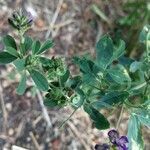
(109, 81)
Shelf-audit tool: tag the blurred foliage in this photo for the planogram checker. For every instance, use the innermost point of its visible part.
(129, 25)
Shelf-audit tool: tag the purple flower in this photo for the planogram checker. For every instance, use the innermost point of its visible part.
(102, 147)
(29, 17)
(113, 135)
(118, 141)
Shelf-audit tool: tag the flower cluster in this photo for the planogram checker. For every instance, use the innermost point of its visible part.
(119, 142)
(21, 20)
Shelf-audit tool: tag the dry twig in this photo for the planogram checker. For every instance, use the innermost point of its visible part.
(36, 144)
(56, 26)
(44, 110)
(3, 108)
(19, 129)
(7, 138)
(38, 119)
(54, 18)
(75, 131)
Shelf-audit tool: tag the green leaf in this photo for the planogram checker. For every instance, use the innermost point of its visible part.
(119, 50)
(110, 99)
(65, 77)
(39, 79)
(6, 58)
(74, 82)
(12, 51)
(125, 61)
(26, 45)
(50, 103)
(55, 97)
(99, 120)
(88, 68)
(134, 134)
(20, 64)
(9, 41)
(45, 61)
(119, 74)
(22, 85)
(104, 51)
(48, 44)
(78, 100)
(35, 47)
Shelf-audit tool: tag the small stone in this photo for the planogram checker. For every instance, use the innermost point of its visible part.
(28, 139)
(10, 132)
(64, 7)
(28, 94)
(40, 23)
(5, 84)
(8, 107)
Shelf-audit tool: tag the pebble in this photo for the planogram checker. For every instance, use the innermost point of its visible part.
(10, 132)
(8, 107)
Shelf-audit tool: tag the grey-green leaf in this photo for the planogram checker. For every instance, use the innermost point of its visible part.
(110, 99)
(45, 46)
(9, 41)
(20, 64)
(6, 58)
(135, 66)
(22, 85)
(104, 51)
(134, 134)
(144, 117)
(119, 74)
(39, 79)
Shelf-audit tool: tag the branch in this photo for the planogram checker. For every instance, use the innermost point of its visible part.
(44, 110)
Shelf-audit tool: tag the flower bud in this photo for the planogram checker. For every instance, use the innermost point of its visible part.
(21, 20)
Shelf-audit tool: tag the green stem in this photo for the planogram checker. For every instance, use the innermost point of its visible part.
(145, 90)
(64, 122)
(131, 105)
(139, 86)
(147, 46)
(21, 42)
